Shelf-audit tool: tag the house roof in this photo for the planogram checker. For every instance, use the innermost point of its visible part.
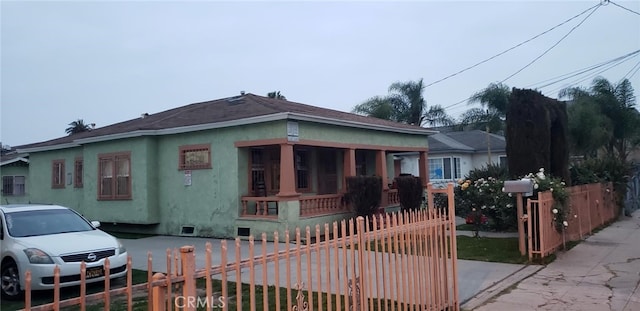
(466, 142)
(13, 157)
(233, 111)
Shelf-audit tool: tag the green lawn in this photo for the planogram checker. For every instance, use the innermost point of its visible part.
(490, 249)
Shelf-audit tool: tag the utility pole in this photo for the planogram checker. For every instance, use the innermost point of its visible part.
(488, 145)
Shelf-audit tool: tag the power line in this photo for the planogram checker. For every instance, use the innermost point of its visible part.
(632, 69)
(609, 64)
(630, 10)
(512, 48)
(553, 46)
(574, 73)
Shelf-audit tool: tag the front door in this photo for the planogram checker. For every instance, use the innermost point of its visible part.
(327, 171)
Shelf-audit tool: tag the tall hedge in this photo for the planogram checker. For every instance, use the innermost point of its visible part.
(364, 193)
(536, 134)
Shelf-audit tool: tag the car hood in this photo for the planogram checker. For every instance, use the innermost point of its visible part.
(69, 243)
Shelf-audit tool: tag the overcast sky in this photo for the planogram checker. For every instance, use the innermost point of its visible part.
(107, 62)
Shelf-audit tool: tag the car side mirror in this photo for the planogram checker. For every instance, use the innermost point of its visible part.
(95, 224)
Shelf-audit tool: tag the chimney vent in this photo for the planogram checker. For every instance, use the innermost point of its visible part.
(241, 92)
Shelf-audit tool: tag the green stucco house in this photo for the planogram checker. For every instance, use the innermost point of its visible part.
(230, 167)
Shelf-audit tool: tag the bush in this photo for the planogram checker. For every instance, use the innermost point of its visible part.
(603, 170)
(410, 192)
(364, 193)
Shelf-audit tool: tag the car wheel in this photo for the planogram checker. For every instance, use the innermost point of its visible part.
(10, 278)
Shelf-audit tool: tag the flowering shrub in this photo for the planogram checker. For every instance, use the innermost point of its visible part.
(485, 196)
(560, 208)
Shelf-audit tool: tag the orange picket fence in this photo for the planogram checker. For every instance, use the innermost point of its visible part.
(590, 206)
(394, 261)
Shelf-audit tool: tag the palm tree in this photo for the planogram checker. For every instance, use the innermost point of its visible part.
(276, 95)
(616, 104)
(494, 101)
(406, 104)
(77, 126)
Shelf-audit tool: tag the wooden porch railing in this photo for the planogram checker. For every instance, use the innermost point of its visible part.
(263, 207)
(315, 205)
(394, 199)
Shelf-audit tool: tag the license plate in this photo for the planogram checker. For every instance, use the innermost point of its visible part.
(94, 272)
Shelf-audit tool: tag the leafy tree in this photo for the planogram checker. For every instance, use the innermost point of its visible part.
(494, 101)
(77, 126)
(276, 95)
(406, 104)
(619, 120)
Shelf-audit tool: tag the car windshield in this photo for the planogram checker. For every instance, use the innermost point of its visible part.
(44, 222)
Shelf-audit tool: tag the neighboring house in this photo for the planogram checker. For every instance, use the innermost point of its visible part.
(223, 168)
(452, 155)
(14, 169)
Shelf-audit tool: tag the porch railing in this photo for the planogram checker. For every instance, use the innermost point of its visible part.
(394, 199)
(263, 207)
(314, 205)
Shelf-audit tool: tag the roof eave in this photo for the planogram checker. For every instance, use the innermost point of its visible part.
(19, 159)
(246, 121)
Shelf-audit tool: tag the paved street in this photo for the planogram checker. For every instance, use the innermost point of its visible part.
(600, 273)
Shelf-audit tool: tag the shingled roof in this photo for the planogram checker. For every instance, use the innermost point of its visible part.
(466, 142)
(243, 109)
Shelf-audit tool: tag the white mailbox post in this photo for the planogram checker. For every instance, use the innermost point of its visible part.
(522, 187)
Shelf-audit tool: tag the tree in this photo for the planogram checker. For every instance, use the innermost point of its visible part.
(616, 117)
(406, 104)
(77, 126)
(494, 101)
(276, 95)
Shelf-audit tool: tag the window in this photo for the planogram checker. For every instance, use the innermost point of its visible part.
(115, 176)
(441, 168)
(195, 157)
(265, 171)
(57, 174)
(503, 161)
(302, 170)
(77, 181)
(13, 185)
(361, 163)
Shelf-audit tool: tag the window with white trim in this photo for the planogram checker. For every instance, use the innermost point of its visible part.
(444, 168)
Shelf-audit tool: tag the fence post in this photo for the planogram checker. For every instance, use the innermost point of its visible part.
(521, 219)
(157, 294)
(188, 270)
(359, 291)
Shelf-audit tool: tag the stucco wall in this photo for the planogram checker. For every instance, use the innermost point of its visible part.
(161, 201)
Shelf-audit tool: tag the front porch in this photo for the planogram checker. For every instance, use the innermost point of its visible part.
(298, 184)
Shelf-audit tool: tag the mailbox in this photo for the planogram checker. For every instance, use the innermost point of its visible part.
(524, 186)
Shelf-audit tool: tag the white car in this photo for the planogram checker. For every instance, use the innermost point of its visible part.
(39, 237)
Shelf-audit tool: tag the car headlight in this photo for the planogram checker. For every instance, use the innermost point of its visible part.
(37, 256)
(121, 248)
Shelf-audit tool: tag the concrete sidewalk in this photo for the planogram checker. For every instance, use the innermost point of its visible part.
(600, 273)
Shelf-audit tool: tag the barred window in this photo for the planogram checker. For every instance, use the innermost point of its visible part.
(13, 185)
(78, 171)
(57, 174)
(195, 157)
(302, 170)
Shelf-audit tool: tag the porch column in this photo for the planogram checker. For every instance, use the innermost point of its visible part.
(287, 172)
(381, 169)
(423, 168)
(349, 166)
